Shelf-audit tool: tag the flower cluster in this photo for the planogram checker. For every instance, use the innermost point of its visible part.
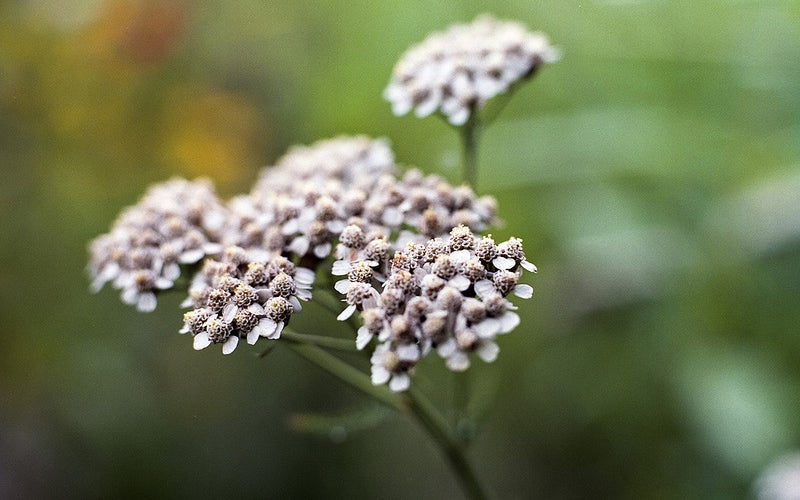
(457, 71)
(301, 206)
(448, 294)
(176, 222)
(237, 297)
(404, 245)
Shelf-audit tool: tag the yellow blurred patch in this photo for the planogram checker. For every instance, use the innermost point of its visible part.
(210, 133)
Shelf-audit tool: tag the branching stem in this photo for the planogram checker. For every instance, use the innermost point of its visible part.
(413, 403)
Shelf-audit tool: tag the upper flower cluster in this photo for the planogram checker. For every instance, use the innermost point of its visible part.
(448, 294)
(176, 222)
(458, 70)
(238, 297)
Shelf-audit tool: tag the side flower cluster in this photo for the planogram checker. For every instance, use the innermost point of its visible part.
(447, 295)
(457, 71)
(176, 222)
(237, 297)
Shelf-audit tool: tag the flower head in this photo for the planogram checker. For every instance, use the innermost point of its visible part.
(458, 70)
(241, 298)
(445, 295)
(176, 222)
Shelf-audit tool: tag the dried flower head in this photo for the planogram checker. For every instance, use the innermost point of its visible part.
(458, 70)
(176, 222)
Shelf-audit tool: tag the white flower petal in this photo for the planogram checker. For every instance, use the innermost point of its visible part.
(488, 351)
(164, 283)
(447, 348)
(487, 328)
(252, 336)
(508, 321)
(229, 345)
(458, 362)
(380, 375)
(209, 249)
(265, 327)
(363, 338)
(299, 246)
(201, 341)
(277, 333)
(342, 286)
(340, 268)
(229, 312)
(147, 302)
(400, 382)
(303, 276)
(484, 288)
(392, 217)
(256, 309)
(408, 352)
(459, 282)
(344, 315)
(523, 291)
(528, 266)
(401, 107)
(130, 295)
(191, 256)
(459, 117)
(503, 263)
(291, 226)
(459, 256)
(322, 251)
(171, 271)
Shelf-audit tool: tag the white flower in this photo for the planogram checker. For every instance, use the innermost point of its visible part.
(457, 71)
(392, 365)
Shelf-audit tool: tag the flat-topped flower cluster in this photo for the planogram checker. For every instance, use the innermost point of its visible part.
(448, 294)
(415, 269)
(407, 246)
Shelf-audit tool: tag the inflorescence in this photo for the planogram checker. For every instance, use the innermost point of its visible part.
(406, 247)
(458, 70)
(448, 294)
(176, 222)
(420, 277)
(238, 297)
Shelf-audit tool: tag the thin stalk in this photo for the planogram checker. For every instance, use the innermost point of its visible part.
(320, 340)
(462, 423)
(436, 426)
(413, 403)
(348, 374)
(470, 134)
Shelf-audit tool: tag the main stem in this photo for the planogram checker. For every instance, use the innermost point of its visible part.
(470, 133)
(413, 402)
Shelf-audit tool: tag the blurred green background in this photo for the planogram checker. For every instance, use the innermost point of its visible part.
(654, 174)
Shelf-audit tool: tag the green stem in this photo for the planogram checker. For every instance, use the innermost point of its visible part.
(348, 374)
(462, 423)
(436, 426)
(470, 133)
(319, 340)
(413, 402)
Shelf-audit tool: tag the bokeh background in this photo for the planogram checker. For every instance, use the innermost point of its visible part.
(654, 174)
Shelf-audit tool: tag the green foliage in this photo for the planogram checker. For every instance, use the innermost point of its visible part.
(647, 173)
